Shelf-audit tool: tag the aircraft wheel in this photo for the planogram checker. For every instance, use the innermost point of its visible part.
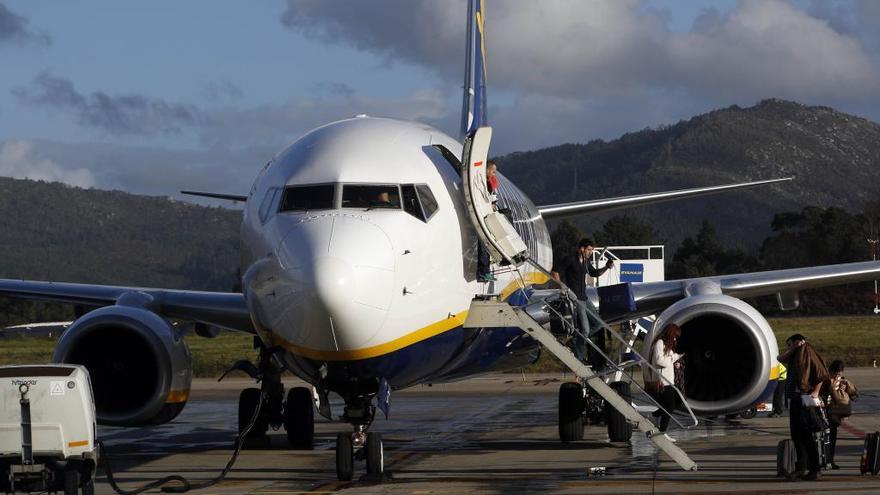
(71, 481)
(88, 488)
(299, 418)
(749, 413)
(571, 408)
(375, 454)
(247, 404)
(344, 457)
(619, 429)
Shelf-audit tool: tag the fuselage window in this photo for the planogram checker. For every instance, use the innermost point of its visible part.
(411, 201)
(303, 198)
(426, 198)
(370, 196)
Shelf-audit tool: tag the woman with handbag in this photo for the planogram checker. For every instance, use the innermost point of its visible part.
(663, 357)
(840, 402)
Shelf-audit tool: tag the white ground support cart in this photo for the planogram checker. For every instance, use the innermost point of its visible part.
(47, 429)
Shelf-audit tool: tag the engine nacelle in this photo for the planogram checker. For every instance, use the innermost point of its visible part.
(730, 350)
(140, 366)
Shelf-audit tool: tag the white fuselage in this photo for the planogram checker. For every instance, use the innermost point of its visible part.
(343, 283)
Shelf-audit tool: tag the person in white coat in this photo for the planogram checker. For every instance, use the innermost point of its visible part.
(663, 357)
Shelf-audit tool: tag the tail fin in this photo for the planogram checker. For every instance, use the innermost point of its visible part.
(473, 109)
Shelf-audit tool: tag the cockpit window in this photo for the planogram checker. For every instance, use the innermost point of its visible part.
(370, 196)
(302, 198)
(418, 201)
(426, 197)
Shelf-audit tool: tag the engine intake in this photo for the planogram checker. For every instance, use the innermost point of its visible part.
(729, 351)
(140, 366)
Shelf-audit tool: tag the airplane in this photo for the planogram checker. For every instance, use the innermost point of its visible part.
(359, 247)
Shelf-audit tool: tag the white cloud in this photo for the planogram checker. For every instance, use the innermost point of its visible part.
(18, 159)
(610, 48)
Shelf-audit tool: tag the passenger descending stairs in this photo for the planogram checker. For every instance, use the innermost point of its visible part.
(495, 314)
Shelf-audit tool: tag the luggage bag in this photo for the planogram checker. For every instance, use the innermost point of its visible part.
(786, 457)
(871, 454)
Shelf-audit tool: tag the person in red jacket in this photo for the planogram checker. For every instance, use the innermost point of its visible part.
(484, 270)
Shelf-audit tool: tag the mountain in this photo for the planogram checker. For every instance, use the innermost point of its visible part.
(52, 231)
(832, 155)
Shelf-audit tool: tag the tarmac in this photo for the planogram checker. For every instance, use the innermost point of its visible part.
(492, 434)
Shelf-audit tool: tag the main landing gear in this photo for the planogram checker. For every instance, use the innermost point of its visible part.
(359, 445)
(579, 404)
(296, 414)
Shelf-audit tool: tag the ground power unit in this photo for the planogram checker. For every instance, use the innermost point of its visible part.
(47, 429)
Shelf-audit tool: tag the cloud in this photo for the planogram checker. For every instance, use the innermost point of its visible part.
(275, 125)
(222, 90)
(119, 115)
(14, 28)
(611, 48)
(137, 169)
(18, 159)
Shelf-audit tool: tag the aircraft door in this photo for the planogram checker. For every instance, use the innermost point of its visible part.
(492, 227)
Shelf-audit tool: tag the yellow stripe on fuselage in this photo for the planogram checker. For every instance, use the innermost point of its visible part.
(453, 321)
(434, 329)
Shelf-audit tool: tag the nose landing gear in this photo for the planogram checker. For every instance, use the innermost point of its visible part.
(359, 445)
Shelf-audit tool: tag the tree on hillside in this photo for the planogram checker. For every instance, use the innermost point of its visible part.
(823, 236)
(705, 256)
(565, 238)
(624, 230)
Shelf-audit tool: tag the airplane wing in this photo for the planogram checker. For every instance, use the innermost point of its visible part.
(652, 297)
(607, 204)
(222, 309)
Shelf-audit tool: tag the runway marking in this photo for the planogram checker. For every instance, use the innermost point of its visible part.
(852, 429)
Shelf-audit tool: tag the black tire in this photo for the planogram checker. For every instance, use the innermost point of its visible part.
(375, 454)
(619, 429)
(71, 481)
(749, 413)
(299, 418)
(247, 404)
(571, 408)
(88, 488)
(344, 457)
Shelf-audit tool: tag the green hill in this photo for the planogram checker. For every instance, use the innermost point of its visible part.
(833, 157)
(56, 232)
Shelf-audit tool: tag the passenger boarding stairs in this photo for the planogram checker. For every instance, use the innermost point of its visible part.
(493, 313)
(504, 245)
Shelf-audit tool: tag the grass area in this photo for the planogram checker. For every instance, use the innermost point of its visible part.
(855, 339)
(210, 356)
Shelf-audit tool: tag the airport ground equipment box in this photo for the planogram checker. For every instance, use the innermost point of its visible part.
(47, 429)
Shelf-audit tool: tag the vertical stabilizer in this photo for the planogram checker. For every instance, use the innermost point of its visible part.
(473, 109)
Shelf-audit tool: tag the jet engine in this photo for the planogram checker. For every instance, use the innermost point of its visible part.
(729, 351)
(140, 366)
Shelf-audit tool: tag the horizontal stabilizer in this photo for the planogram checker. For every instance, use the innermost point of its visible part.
(230, 197)
(602, 205)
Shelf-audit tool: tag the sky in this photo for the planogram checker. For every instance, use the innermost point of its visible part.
(154, 97)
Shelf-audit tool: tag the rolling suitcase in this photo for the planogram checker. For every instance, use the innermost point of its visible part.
(871, 454)
(786, 457)
(822, 443)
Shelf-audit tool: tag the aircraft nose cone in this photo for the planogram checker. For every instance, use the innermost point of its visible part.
(334, 283)
(339, 274)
